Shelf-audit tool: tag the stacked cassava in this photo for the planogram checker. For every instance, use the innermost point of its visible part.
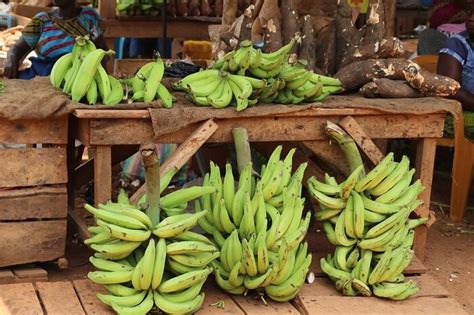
(259, 227)
(247, 76)
(81, 75)
(367, 218)
(145, 259)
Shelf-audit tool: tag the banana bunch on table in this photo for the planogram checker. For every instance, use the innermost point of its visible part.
(367, 218)
(271, 79)
(81, 75)
(146, 84)
(259, 227)
(139, 7)
(143, 264)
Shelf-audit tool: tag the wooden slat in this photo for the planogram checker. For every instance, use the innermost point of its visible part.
(32, 167)
(19, 298)
(33, 203)
(371, 305)
(79, 224)
(6, 275)
(59, 298)
(445, 142)
(25, 242)
(112, 113)
(213, 295)
(87, 290)
(252, 304)
(425, 158)
(184, 152)
(364, 142)
(23, 272)
(102, 174)
(107, 9)
(267, 129)
(52, 131)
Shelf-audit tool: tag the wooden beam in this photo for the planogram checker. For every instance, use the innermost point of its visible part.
(19, 298)
(184, 152)
(102, 174)
(364, 142)
(51, 131)
(425, 158)
(107, 9)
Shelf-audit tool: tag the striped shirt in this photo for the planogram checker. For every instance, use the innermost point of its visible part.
(52, 37)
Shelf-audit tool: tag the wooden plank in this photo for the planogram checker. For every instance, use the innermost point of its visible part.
(445, 142)
(267, 129)
(112, 113)
(36, 166)
(82, 132)
(52, 130)
(19, 298)
(153, 28)
(87, 290)
(59, 298)
(184, 152)
(323, 286)
(6, 275)
(252, 304)
(25, 242)
(364, 142)
(102, 174)
(213, 295)
(330, 155)
(24, 272)
(371, 305)
(33, 203)
(107, 9)
(425, 158)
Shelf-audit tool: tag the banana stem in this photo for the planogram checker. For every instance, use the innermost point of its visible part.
(242, 147)
(151, 162)
(347, 144)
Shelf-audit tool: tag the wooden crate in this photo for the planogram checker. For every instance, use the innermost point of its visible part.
(33, 193)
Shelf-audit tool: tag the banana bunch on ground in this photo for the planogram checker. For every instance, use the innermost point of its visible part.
(259, 227)
(143, 264)
(139, 7)
(81, 75)
(367, 218)
(146, 84)
(220, 89)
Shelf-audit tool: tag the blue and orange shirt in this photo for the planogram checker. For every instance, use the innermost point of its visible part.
(52, 37)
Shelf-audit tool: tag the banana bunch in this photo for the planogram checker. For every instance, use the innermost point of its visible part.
(146, 84)
(259, 227)
(143, 264)
(367, 218)
(248, 60)
(296, 85)
(81, 75)
(139, 7)
(220, 89)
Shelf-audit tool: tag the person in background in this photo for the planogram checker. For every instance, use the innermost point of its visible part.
(51, 34)
(446, 18)
(456, 60)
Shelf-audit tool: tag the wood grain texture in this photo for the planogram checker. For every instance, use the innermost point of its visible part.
(59, 298)
(33, 167)
(29, 272)
(33, 203)
(102, 174)
(52, 131)
(25, 242)
(87, 290)
(267, 129)
(19, 298)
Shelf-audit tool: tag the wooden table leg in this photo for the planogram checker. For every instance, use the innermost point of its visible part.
(425, 157)
(102, 174)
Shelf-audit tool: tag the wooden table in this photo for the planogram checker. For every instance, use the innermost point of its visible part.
(103, 129)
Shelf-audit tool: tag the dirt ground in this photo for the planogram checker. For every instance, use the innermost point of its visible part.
(450, 248)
